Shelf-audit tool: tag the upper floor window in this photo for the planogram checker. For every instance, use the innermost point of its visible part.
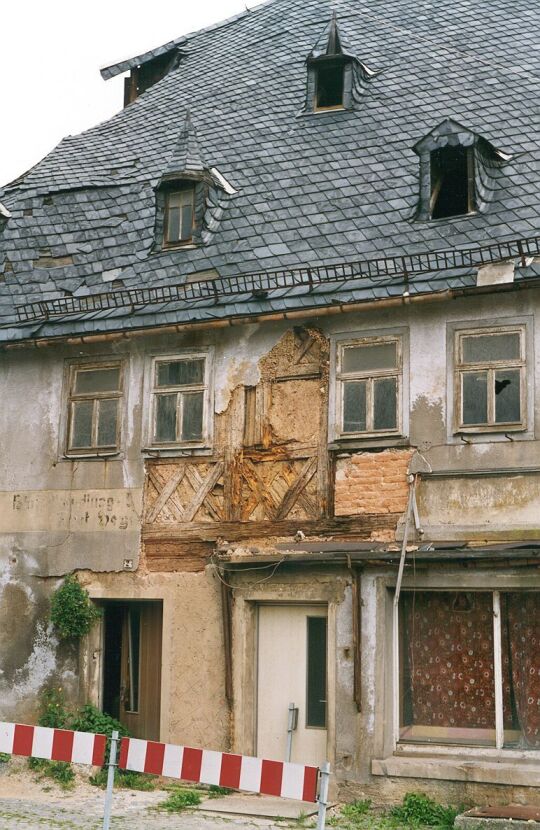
(180, 400)
(452, 182)
(95, 395)
(179, 217)
(490, 376)
(368, 386)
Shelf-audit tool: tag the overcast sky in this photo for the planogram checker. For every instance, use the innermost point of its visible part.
(50, 55)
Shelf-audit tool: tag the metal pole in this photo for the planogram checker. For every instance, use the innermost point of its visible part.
(323, 795)
(290, 728)
(110, 782)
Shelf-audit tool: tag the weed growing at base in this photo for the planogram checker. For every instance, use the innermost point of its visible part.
(179, 799)
(417, 811)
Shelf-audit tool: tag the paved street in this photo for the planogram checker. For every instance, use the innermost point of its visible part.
(18, 814)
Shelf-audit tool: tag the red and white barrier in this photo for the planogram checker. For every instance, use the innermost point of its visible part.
(52, 744)
(203, 766)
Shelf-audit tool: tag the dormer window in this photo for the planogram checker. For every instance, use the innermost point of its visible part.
(452, 182)
(329, 84)
(459, 170)
(179, 215)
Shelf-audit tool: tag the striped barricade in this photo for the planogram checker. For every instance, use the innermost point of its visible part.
(52, 744)
(203, 766)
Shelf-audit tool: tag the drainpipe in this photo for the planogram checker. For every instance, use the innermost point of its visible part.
(412, 510)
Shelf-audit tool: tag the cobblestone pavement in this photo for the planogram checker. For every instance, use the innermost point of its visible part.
(18, 814)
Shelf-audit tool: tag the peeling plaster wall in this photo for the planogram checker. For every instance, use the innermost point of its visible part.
(194, 709)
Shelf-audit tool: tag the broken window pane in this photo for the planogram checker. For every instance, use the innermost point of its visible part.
(354, 406)
(330, 84)
(180, 372)
(385, 403)
(507, 396)
(166, 418)
(475, 404)
(192, 421)
(82, 424)
(370, 357)
(107, 423)
(97, 380)
(316, 672)
(490, 347)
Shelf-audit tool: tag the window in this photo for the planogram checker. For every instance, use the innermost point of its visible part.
(316, 672)
(452, 182)
(470, 668)
(329, 84)
(95, 393)
(490, 378)
(368, 386)
(179, 216)
(180, 400)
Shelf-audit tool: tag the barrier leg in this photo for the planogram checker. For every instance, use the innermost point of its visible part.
(110, 782)
(323, 795)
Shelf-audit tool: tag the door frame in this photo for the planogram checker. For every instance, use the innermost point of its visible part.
(245, 680)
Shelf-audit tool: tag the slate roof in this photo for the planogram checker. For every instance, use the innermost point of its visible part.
(312, 189)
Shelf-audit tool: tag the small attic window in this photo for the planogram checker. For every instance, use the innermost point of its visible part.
(329, 84)
(452, 182)
(179, 215)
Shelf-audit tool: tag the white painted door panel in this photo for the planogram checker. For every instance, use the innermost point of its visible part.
(282, 678)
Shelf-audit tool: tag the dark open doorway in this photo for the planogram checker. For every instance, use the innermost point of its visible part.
(132, 637)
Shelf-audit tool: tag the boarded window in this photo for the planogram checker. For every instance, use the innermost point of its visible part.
(368, 384)
(452, 182)
(179, 399)
(449, 657)
(329, 84)
(179, 215)
(491, 379)
(94, 403)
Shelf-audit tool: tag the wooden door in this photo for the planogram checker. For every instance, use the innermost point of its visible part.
(292, 668)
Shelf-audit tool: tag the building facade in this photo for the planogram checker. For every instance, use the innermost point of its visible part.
(270, 390)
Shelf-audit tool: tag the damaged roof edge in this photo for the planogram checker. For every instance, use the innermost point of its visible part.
(108, 72)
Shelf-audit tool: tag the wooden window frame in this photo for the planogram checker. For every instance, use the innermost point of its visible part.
(342, 377)
(180, 390)
(492, 366)
(74, 397)
(174, 190)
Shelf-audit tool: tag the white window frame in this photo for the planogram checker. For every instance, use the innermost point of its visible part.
(461, 369)
(498, 747)
(338, 377)
(206, 387)
(71, 397)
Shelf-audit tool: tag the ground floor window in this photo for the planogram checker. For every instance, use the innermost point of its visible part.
(470, 668)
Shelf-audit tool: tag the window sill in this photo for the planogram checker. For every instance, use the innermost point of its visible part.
(91, 456)
(174, 452)
(480, 768)
(357, 443)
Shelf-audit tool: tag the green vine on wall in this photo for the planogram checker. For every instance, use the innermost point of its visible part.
(72, 611)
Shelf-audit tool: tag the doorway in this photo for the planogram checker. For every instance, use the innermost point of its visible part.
(292, 668)
(132, 636)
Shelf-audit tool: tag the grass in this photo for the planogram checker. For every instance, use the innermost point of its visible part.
(124, 779)
(217, 792)
(417, 811)
(179, 799)
(4, 758)
(59, 771)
